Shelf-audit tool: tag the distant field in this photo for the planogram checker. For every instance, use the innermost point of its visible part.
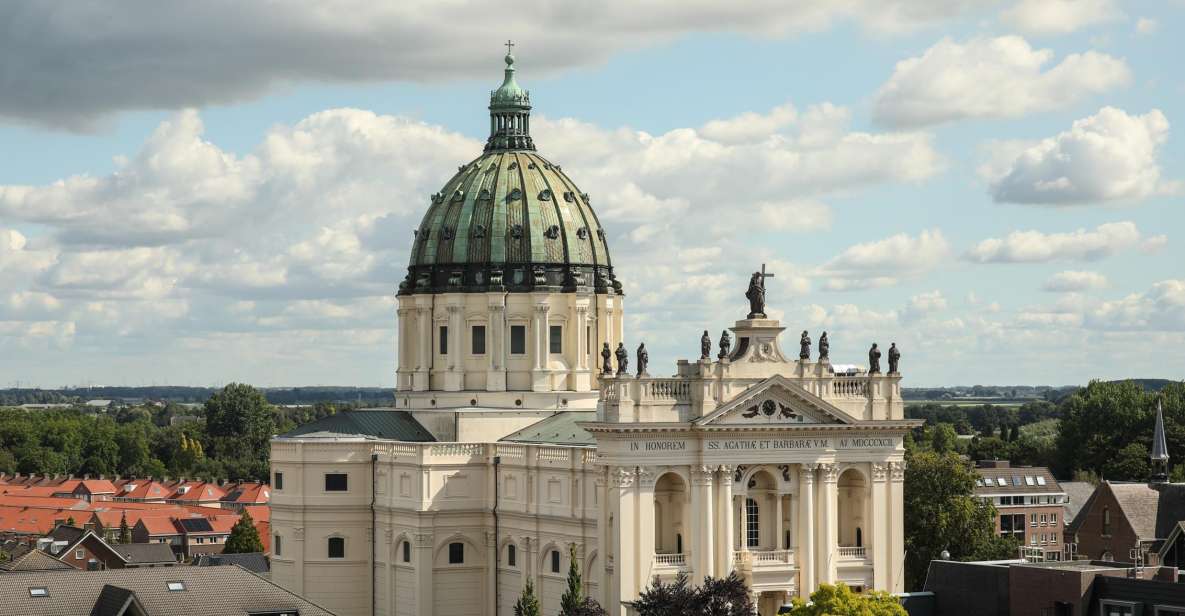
(973, 401)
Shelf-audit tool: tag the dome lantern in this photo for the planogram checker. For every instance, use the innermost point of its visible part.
(510, 113)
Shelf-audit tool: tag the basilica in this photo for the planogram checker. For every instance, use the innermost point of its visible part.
(518, 436)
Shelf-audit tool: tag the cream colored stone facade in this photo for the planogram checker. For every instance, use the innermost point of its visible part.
(782, 470)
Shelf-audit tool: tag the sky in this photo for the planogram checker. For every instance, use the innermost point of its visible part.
(200, 193)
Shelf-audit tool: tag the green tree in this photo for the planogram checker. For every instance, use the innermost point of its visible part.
(714, 597)
(574, 594)
(944, 438)
(1100, 420)
(70, 521)
(125, 532)
(244, 537)
(1129, 463)
(942, 513)
(239, 422)
(839, 600)
(528, 603)
(989, 448)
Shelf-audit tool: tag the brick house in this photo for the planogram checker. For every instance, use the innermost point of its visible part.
(1121, 516)
(1030, 504)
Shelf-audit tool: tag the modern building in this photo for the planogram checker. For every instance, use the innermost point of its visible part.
(1030, 505)
(515, 435)
(1064, 588)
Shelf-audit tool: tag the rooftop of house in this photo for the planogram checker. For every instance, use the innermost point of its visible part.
(1153, 510)
(251, 561)
(23, 557)
(387, 424)
(145, 553)
(156, 591)
(1009, 479)
(1077, 493)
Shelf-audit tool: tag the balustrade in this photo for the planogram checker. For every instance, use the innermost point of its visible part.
(853, 553)
(670, 560)
(677, 390)
(849, 387)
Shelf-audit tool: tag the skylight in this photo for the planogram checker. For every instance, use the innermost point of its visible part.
(1000, 481)
(175, 586)
(1029, 480)
(38, 591)
(1040, 480)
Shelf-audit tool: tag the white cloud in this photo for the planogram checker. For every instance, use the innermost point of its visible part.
(1161, 308)
(1038, 247)
(1110, 156)
(1147, 25)
(1072, 281)
(999, 77)
(923, 304)
(1059, 16)
(219, 51)
(883, 262)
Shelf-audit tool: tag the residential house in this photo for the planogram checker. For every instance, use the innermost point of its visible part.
(1030, 504)
(84, 549)
(175, 591)
(24, 557)
(255, 562)
(92, 490)
(1120, 517)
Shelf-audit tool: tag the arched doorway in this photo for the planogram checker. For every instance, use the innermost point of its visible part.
(853, 503)
(758, 529)
(671, 513)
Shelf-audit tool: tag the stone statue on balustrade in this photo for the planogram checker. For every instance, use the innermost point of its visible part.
(606, 367)
(623, 359)
(643, 360)
(894, 358)
(804, 346)
(874, 360)
(725, 344)
(756, 296)
(824, 348)
(705, 346)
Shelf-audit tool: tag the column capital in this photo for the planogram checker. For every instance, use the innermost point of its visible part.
(701, 475)
(423, 540)
(389, 534)
(496, 308)
(622, 477)
(829, 472)
(454, 308)
(879, 471)
(542, 308)
(897, 471)
(298, 533)
(647, 477)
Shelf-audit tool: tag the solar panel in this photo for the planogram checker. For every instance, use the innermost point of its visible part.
(195, 525)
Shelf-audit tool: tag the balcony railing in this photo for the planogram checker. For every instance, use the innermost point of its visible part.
(670, 560)
(765, 557)
(849, 387)
(851, 553)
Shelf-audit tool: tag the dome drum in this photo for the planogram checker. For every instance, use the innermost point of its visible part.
(514, 278)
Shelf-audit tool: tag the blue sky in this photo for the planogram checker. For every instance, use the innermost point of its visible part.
(997, 186)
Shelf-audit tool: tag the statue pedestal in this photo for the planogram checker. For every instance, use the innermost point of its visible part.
(757, 340)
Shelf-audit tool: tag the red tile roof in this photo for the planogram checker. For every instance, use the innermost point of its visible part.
(145, 490)
(198, 491)
(159, 525)
(95, 486)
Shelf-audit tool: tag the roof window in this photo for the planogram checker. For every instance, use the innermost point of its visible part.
(1040, 480)
(176, 586)
(1016, 480)
(1000, 481)
(38, 591)
(1029, 481)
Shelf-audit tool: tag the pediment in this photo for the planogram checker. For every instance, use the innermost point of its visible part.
(776, 401)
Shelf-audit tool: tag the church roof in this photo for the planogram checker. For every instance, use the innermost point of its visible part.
(559, 429)
(385, 424)
(510, 220)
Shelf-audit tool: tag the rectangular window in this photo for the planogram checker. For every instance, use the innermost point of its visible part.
(1053, 518)
(555, 561)
(1044, 519)
(479, 340)
(278, 482)
(443, 340)
(1032, 519)
(337, 547)
(511, 556)
(79, 554)
(556, 339)
(199, 540)
(518, 339)
(407, 551)
(751, 518)
(335, 482)
(456, 553)
(277, 545)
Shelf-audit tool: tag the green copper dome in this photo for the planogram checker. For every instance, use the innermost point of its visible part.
(510, 220)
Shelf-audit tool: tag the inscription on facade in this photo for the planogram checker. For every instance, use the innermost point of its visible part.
(769, 444)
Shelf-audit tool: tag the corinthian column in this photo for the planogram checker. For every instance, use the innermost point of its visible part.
(702, 548)
(897, 526)
(582, 380)
(454, 379)
(828, 537)
(421, 380)
(540, 376)
(806, 527)
(725, 526)
(880, 527)
(496, 344)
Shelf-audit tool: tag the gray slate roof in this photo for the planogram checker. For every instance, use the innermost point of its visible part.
(386, 424)
(252, 561)
(25, 558)
(1015, 481)
(225, 591)
(559, 429)
(145, 553)
(1077, 493)
(1153, 510)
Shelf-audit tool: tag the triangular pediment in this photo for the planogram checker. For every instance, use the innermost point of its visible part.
(776, 401)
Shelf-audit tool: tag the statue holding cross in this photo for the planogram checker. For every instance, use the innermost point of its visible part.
(756, 293)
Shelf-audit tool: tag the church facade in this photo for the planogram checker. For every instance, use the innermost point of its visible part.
(517, 438)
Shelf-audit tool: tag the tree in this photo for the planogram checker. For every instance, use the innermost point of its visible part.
(244, 537)
(239, 423)
(944, 439)
(125, 532)
(528, 603)
(839, 600)
(70, 521)
(573, 595)
(942, 513)
(589, 607)
(715, 597)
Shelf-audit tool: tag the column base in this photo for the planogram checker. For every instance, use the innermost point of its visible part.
(454, 381)
(495, 380)
(540, 380)
(582, 380)
(420, 380)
